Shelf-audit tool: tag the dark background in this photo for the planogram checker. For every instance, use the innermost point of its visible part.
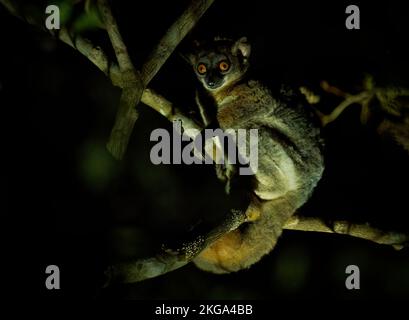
(67, 202)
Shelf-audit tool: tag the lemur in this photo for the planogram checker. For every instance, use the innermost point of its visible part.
(290, 159)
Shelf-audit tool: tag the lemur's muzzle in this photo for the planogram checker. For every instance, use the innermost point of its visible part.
(213, 81)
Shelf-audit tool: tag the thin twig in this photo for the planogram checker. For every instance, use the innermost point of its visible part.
(333, 90)
(388, 98)
(360, 98)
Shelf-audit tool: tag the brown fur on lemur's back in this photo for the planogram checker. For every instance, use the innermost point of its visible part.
(290, 161)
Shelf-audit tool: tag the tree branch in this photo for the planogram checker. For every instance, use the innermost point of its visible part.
(363, 231)
(166, 109)
(121, 51)
(132, 85)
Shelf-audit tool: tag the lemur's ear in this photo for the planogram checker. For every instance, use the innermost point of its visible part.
(242, 47)
(190, 54)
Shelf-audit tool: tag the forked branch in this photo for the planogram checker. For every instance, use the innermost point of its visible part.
(134, 82)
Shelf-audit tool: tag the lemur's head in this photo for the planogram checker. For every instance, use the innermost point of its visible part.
(220, 63)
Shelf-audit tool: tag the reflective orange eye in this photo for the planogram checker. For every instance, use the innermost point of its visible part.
(224, 66)
(201, 68)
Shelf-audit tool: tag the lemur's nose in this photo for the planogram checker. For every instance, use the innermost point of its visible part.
(210, 83)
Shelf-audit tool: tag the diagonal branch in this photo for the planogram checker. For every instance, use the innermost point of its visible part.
(166, 109)
(121, 51)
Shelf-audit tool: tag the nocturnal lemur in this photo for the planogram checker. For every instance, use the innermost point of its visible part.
(290, 161)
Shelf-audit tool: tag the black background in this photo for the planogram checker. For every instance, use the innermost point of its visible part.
(67, 202)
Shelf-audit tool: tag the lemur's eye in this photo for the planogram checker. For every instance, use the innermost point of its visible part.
(201, 68)
(224, 66)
